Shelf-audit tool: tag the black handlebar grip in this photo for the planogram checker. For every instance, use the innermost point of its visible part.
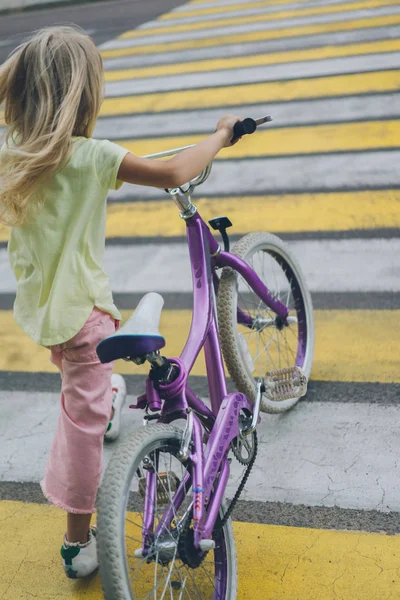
(242, 128)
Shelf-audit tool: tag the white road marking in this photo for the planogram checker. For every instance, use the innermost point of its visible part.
(263, 47)
(266, 175)
(350, 460)
(241, 12)
(249, 27)
(328, 265)
(285, 114)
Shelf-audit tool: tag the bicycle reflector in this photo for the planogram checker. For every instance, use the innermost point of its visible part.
(285, 384)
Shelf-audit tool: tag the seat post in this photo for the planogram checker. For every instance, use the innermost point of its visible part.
(156, 359)
(162, 370)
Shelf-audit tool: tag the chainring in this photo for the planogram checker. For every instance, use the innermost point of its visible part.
(244, 447)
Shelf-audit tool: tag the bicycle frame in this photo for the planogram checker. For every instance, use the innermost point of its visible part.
(211, 470)
(211, 467)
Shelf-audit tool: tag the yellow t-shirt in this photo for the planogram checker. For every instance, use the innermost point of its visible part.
(57, 258)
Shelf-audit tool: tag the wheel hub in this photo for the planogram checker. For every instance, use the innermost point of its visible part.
(165, 550)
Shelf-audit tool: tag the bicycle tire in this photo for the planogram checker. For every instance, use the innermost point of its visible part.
(234, 350)
(112, 504)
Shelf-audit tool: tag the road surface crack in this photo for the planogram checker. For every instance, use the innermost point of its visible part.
(15, 574)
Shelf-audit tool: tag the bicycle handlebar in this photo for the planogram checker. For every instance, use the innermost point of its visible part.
(241, 128)
(247, 126)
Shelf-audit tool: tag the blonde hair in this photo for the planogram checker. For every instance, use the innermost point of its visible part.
(52, 89)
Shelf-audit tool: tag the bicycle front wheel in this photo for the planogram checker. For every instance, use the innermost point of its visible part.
(251, 350)
(172, 568)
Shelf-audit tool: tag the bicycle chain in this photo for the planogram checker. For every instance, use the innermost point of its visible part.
(242, 483)
(186, 539)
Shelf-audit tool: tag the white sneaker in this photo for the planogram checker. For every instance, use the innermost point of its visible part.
(80, 560)
(119, 390)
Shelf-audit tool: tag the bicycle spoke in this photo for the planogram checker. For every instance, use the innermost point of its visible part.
(208, 575)
(182, 589)
(269, 347)
(279, 351)
(289, 290)
(168, 581)
(161, 574)
(194, 583)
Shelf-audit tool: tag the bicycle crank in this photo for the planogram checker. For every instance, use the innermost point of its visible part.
(244, 445)
(284, 384)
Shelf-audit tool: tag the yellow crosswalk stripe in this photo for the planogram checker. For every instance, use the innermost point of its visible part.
(351, 345)
(221, 9)
(288, 140)
(334, 211)
(260, 18)
(287, 213)
(255, 60)
(256, 93)
(292, 562)
(255, 36)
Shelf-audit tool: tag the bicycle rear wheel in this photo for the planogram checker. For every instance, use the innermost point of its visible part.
(173, 567)
(249, 352)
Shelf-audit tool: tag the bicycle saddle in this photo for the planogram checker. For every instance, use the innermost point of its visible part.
(139, 336)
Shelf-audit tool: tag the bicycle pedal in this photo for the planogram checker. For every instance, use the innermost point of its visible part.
(167, 483)
(285, 384)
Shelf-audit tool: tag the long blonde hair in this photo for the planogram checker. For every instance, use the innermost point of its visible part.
(52, 89)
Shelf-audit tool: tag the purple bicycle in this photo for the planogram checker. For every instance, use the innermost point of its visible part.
(164, 527)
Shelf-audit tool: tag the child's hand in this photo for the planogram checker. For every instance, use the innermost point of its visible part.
(226, 125)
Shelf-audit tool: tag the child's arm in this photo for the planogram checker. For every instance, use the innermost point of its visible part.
(181, 168)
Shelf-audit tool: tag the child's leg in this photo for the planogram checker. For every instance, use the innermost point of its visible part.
(74, 467)
(78, 527)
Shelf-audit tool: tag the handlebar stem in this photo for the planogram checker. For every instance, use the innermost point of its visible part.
(183, 202)
(181, 195)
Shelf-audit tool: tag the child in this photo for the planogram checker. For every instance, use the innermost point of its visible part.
(54, 180)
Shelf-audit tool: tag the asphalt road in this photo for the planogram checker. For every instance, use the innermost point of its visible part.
(342, 259)
(324, 177)
(104, 20)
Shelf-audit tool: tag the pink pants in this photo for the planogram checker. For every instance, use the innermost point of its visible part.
(74, 467)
